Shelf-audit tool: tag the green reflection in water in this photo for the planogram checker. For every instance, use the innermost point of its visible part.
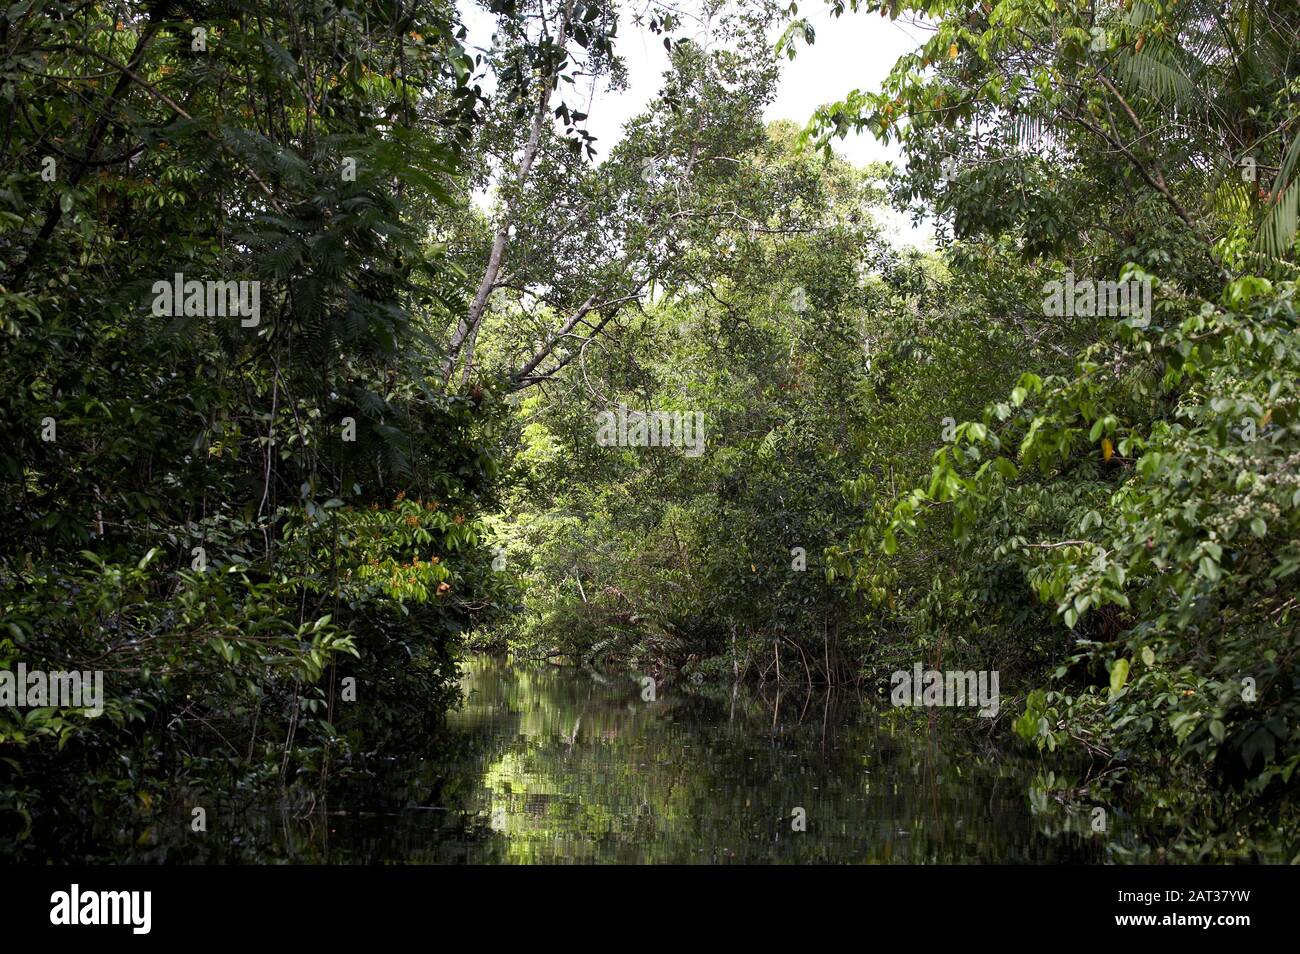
(546, 765)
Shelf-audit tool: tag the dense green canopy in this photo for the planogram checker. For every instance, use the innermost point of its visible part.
(312, 313)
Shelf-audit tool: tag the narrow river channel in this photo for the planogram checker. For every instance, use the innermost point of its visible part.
(545, 764)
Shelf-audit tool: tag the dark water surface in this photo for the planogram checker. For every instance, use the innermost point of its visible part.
(544, 765)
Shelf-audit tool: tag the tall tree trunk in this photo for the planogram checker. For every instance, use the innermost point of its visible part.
(467, 329)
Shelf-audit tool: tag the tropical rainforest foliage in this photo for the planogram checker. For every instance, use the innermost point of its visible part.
(278, 536)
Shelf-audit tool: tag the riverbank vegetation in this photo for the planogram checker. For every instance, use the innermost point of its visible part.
(278, 532)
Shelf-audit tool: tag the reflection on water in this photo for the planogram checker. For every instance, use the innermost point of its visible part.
(559, 765)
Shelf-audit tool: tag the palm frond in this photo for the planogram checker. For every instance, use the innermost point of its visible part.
(1278, 228)
(1155, 73)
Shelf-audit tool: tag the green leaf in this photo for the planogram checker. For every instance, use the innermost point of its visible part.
(1118, 676)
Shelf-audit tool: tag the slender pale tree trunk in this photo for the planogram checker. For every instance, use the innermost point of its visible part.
(467, 330)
